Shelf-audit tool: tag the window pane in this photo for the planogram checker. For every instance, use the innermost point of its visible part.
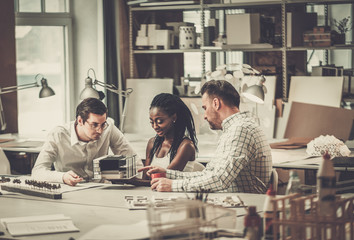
(29, 5)
(56, 6)
(40, 49)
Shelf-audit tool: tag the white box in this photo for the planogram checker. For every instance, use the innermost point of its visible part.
(142, 41)
(243, 28)
(143, 30)
(152, 28)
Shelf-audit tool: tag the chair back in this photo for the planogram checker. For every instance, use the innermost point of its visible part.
(198, 166)
(274, 179)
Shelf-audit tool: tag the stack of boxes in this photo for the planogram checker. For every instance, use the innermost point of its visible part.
(151, 36)
(322, 36)
(319, 37)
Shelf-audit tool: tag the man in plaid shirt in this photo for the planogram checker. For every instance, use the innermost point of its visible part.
(243, 161)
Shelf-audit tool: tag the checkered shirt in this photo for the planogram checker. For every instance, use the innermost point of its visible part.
(242, 162)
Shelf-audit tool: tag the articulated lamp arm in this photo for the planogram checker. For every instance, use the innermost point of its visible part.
(89, 91)
(45, 91)
(113, 88)
(124, 93)
(17, 88)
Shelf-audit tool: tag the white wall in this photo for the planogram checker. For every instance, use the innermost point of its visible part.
(88, 48)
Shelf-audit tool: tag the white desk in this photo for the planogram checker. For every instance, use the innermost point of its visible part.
(20, 144)
(90, 208)
(21, 152)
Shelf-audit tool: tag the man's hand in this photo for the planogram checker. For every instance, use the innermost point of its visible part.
(161, 184)
(71, 178)
(152, 169)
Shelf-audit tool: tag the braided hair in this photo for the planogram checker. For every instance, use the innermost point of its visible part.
(183, 127)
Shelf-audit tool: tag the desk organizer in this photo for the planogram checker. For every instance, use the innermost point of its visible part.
(298, 217)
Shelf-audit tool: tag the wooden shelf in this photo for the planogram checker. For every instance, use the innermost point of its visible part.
(335, 47)
(225, 48)
(168, 8)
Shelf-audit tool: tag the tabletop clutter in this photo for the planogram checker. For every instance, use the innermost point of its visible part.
(295, 215)
(324, 215)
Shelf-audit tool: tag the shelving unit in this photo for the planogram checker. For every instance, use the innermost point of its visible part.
(281, 4)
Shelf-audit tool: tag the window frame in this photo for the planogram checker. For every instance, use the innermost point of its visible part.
(62, 19)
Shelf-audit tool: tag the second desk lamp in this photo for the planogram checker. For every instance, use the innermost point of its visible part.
(90, 91)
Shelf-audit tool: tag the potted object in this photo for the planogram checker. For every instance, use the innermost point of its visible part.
(343, 26)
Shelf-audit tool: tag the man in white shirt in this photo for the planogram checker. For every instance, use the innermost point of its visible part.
(242, 162)
(72, 148)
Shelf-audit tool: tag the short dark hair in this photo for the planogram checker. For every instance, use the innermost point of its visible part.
(222, 89)
(90, 105)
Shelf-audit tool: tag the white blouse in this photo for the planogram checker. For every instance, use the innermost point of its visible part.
(165, 161)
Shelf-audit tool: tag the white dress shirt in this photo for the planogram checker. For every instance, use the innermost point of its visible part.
(66, 152)
(242, 162)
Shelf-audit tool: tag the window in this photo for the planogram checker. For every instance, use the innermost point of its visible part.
(42, 48)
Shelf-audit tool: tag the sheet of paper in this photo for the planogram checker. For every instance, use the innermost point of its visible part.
(80, 186)
(282, 156)
(291, 143)
(34, 228)
(116, 232)
(32, 225)
(33, 218)
(309, 161)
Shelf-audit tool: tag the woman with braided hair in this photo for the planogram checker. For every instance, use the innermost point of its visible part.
(175, 144)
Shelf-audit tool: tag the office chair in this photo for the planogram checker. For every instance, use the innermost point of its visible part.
(274, 179)
(198, 167)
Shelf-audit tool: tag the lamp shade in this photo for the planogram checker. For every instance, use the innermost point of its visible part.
(46, 91)
(89, 91)
(255, 93)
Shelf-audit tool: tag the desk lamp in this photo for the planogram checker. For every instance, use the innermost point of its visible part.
(90, 91)
(255, 93)
(45, 91)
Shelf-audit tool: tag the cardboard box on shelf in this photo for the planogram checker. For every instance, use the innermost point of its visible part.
(312, 39)
(243, 28)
